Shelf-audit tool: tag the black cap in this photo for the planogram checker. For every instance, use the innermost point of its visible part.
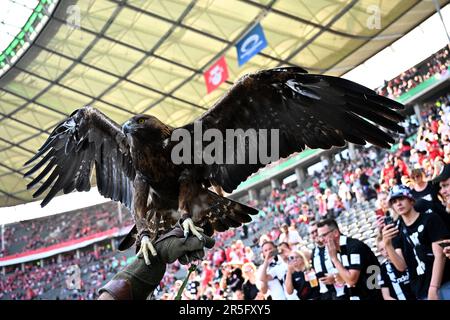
(443, 175)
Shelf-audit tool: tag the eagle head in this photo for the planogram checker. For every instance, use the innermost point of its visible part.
(146, 125)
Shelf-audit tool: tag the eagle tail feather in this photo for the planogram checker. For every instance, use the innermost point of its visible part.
(224, 213)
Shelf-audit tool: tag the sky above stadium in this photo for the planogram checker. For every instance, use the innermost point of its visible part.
(13, 16)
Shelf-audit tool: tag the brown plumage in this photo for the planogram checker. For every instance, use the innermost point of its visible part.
(133, 163)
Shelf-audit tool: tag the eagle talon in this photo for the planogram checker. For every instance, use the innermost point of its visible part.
(146, 246)
(188, 225)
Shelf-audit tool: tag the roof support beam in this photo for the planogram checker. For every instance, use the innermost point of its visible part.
(35, 102)
(24, 123)
(24, 140)
(123, 78)
(320, 32)
(9, 195)
(17, 146)
(155, 47)
(53, 82)
(220, 53)
(203, 33)
(83, 54)
(310, 23)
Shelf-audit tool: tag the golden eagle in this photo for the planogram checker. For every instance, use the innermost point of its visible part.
(133, 163)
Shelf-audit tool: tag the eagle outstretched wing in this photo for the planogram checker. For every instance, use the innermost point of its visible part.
(85, 138)
(311, 110)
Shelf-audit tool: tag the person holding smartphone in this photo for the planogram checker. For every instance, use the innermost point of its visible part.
(231, 277)
(413, 243)
(271, 273)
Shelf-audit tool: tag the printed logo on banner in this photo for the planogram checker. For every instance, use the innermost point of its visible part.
(216, 75)
(253, 42)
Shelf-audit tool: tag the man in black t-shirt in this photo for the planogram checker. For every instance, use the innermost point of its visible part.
(355, 262)
(413, 243)
(321, 263)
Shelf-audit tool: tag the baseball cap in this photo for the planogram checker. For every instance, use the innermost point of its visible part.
(399, 191)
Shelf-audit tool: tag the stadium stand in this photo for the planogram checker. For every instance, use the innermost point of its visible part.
(411, 78)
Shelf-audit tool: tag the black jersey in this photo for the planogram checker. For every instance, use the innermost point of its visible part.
(396, 281)
(355, 254)
(415, 241)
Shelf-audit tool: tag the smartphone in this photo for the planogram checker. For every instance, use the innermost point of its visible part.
(444, 244)
(388, 220)
(274, 253)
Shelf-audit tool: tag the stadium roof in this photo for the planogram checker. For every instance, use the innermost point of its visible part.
(127, 57)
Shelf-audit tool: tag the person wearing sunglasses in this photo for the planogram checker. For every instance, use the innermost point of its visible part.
(354, 261)
(321, 263)
(297, 277)
(249, 287)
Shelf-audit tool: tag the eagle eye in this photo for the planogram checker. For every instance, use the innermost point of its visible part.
(141, 121)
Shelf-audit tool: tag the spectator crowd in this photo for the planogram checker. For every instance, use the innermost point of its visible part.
(47, 231)
(437, 64)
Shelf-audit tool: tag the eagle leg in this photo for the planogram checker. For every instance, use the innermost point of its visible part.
(188, 191)
(143, 213)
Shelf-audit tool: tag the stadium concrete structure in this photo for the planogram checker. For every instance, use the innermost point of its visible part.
(127, 57)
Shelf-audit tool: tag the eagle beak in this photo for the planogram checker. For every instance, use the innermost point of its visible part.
(126, 128)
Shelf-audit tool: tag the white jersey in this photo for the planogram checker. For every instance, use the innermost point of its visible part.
(277, 271)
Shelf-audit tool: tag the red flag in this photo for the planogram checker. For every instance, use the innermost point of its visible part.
(216, 74)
